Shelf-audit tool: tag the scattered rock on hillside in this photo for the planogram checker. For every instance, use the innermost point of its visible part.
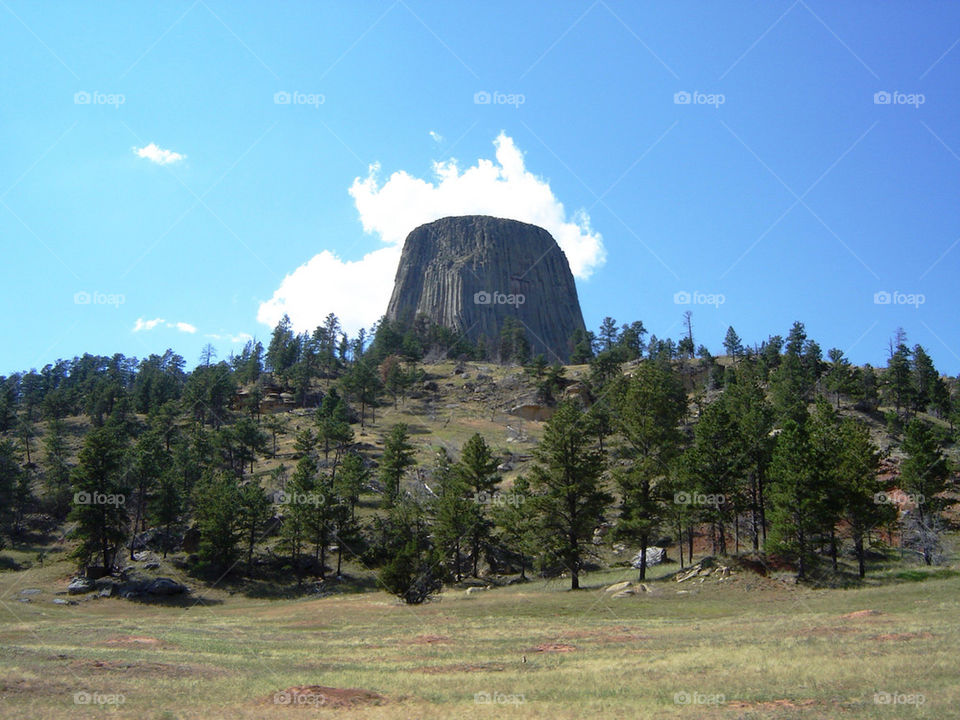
(79, 586)
(655, 556)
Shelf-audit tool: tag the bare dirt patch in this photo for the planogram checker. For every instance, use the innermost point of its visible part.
(428, 640)
(784, 703)
(133, 640)
(612, 635)
(139, 668)
(861, 614)
(896, 637)
(322, 696)
(461, 668)
(553, 647)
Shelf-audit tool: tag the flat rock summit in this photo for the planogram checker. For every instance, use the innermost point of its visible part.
(470, 273)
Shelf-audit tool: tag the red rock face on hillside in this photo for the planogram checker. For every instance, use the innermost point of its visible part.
(471, 273)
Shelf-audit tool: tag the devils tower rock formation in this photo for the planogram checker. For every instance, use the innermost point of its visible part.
(471, 273)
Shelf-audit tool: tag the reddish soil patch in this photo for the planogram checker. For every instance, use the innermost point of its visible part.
(144, 668)
(861, 614)
(770, 704)
(321, 696)
(903, 636)
(624, 635)
(136, 640)
(817, 631)
(461, 668)
(552, 647)
(428, 640)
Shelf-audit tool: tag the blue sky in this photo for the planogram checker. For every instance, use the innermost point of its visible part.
(786, 188)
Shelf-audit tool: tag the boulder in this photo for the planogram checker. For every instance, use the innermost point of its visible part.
(79, 586)
(165, 586)
(655, 556)
(533, 412)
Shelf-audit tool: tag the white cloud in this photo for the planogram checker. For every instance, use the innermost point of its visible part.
(358, 291)
(437, 137)
(142, 324)
(158, 155)
(239, 338)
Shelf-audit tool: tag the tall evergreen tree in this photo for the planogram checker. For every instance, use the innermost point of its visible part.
(648, 413)
(100, 490)
(567, 485)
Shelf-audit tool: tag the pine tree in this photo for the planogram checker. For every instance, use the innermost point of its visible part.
(923, 474)
(217, 500)
(455, 513)
(648, 412)
(796, 497)
(397, 457)
(857, 476)
(253, 513)
(100, 490)
(568, 493)
(477, 469)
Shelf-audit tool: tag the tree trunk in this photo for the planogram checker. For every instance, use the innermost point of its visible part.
(858, 545)
(643, 557)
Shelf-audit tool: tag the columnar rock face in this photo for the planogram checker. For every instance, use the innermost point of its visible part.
(471, 273)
